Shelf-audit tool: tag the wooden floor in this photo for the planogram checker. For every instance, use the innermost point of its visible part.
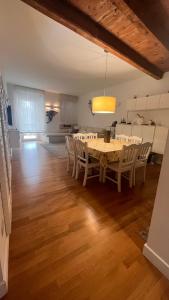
(75, 243)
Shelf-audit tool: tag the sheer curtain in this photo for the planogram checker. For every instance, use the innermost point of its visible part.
(29, 109)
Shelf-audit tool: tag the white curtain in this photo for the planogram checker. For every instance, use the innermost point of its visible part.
(29, 109)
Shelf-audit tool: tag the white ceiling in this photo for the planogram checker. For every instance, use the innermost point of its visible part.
(38, 52)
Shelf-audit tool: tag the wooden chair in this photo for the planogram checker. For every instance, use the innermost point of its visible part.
(135, 140)
(91, 136)
(122, 137)
(79, 136)
(141, 160)
(125, 164)
(71, 151)
(83, 160)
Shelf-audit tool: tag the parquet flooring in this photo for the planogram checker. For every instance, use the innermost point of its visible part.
(74, 243)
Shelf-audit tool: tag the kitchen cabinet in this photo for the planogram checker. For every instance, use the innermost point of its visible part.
(157, 135)
(137, 130)
(131, 104)
(148, 133)
(141, 103)
(160, 138)
(123, 129)
(164, 101)
(144, 131)
(153, 102)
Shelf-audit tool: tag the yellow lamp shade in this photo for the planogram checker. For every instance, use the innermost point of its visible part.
(103, 105)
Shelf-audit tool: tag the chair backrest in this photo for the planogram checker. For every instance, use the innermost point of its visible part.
(91, 135)
(122, 137)
(128, 155)
(135, 140)
(144, 151)
(79, 136)
(70, 144)
(81, 150)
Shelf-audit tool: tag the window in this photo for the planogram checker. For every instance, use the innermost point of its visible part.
(29, 110)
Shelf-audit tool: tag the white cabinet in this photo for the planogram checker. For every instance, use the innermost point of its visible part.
(123, 129)
(157, 135)
(160, 138)
(144, 131)
(141, 103)
(131, 104)
(137, 130)
(164, 101)
(153, 102)
(148, 103)
(148, 133)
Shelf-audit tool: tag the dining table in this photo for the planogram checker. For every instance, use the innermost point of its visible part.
(106, 153)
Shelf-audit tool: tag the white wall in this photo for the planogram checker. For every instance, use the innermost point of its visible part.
(157, 247)
(139, 87)
(67, 113)
(53, 99)
(61, 100)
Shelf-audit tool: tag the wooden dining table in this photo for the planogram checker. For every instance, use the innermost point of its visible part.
(105, 152)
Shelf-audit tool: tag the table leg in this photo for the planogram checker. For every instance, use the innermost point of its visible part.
(102, 170)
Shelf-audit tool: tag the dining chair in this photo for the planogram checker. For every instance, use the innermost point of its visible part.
(91, 136)
(71, 151)
(79, 136)
(125, 165)
(141, 160)
(135, 140)
(85, 161)
(122, 137)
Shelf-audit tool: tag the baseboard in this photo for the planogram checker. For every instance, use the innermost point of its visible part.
(3, 289)
(156, 260)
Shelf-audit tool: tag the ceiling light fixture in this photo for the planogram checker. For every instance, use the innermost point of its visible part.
(104, 104)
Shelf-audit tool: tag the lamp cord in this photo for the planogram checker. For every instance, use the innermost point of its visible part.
(105, 76)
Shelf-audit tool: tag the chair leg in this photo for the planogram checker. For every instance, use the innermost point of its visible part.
(104, 175)
(68, 163)
(85, 176)
(131, 179)
(134, 176)
(119, 182)
(77, 171)
(144, 174)
(101, 174)
(74, 168)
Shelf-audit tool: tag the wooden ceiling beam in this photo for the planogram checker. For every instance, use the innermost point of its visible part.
(155, 16)
(70, 16)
